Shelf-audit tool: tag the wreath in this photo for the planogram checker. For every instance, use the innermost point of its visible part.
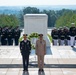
(33, 36)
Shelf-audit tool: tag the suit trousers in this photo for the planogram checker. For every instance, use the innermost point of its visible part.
(40, 61)
(25, 59)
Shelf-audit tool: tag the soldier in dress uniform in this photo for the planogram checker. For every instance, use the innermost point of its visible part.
(66, 33)
(54, 35)
(6, 34)
(40, 52)
(25, 49)
(68, 37)
(59, 38)
(9, 36)
(16, 35)
(3, 36)
(0, 34)
(62, 37)
(72, 34)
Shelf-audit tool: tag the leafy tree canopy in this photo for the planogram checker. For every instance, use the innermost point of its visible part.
(8, 20)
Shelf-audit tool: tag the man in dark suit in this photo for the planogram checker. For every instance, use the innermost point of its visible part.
(25, 49)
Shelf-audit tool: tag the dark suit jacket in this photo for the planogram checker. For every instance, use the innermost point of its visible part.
(25, 47)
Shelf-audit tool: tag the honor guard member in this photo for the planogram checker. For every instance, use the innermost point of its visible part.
(17, 35)
(72, 34)
(65, 29)
(9, 33)
(59, 40)
(75, 40)
(6, 34)
(0, 34)
(40, 52)
(62, 37)
(3, 36)
(54, 35)
(10, 42)
(68, 37)
(25, 49)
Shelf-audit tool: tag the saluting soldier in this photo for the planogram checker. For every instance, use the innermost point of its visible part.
(72, 34)
(40, 52)
(25, 49)
(54, 35)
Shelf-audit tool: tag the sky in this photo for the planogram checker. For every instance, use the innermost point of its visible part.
(36, 2)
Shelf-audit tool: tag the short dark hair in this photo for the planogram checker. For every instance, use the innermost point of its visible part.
(24, 34)
(40, 34)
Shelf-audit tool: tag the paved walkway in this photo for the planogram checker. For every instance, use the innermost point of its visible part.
(62, 61)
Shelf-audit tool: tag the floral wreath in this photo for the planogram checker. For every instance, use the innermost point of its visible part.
(33, 35)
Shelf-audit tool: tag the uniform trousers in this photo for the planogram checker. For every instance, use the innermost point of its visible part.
(72, 40)
(16, 41)
(41, 61)
(55, 42)
(10, 41)
(68, 42)
(0, 39)
(25, 59)
(3, 41)
(75, 42)
(62, 42)
(65, 41)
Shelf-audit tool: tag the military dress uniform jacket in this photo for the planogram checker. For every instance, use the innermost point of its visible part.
(54, 34)
(40, 47)
(25, 47)
(72, 31)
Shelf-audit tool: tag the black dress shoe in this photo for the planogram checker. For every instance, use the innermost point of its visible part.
(23, 70)
(39, 70)
(71, 46)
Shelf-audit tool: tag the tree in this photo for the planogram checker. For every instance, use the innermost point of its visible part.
(52, 17)
(30, 10)
(8, 20)
(66, 19)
